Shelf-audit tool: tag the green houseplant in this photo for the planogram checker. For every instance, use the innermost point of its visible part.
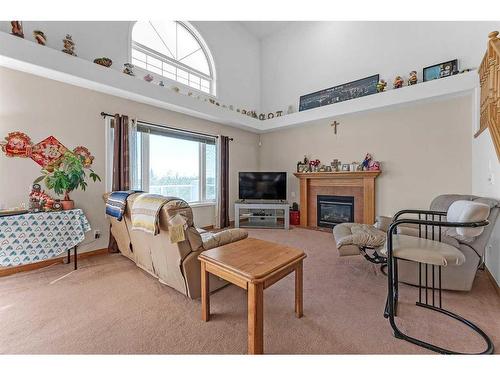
(68, 175)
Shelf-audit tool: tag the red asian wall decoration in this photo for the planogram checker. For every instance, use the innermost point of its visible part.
(45, 153)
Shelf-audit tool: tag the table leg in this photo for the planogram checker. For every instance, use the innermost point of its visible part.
(255, 318)
(299, 305)
(69, 256)
(75, 257)
(205, 294)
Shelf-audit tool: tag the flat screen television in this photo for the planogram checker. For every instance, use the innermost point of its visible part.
(262, 185)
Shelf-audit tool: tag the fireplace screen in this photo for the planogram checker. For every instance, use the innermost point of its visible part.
(334, 209)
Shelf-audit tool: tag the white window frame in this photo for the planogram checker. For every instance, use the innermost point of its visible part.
(144, 160)
(177, 64)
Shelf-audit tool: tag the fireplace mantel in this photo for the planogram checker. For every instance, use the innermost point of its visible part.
(360, 185)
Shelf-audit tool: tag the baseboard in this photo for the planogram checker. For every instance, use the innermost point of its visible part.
(45, 263)
(493, 281)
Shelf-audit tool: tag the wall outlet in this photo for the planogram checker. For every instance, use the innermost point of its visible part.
(293, 194)
(97, 234)
(491, 179)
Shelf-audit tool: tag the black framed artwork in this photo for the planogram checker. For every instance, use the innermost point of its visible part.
(440, 70)
(340, 93)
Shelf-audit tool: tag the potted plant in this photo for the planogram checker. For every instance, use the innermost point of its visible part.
(68, 175)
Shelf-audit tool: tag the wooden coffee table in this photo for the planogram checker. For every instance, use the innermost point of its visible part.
(253, 265)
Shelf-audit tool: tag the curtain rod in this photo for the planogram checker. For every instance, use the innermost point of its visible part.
(104, 114)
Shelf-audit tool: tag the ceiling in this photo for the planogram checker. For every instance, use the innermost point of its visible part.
(262, 29)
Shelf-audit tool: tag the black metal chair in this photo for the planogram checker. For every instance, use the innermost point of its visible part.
(431, 258)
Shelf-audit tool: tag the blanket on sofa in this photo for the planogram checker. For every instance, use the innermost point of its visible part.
(146, 212)
(116, 203)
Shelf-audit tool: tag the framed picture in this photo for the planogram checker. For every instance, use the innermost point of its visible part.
(441, 70)
(346, 167)
(337, 94)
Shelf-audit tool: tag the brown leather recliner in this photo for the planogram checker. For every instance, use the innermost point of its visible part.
(174, 264)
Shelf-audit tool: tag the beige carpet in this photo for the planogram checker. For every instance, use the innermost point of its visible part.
(110, 306)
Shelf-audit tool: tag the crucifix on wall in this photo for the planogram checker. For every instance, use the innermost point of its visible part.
(334, 125)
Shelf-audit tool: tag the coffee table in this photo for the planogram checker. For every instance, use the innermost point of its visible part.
(253, 265)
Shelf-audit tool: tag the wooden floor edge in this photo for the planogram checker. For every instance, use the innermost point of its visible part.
(45, 263)
(493, 280)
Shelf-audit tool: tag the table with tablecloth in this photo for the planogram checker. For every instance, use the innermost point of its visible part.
(32, 237)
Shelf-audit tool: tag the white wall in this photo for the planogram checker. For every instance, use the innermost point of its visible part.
(41, 107)
(236, 52)
(425, 150)
(486, 183)
(309, 56)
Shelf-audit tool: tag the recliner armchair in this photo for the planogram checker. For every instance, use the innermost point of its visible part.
(454, 278)
(174, 264)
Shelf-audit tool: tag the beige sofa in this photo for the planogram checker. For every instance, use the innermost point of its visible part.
(175, 265)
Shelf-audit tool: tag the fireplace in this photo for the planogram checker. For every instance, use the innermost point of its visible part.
(334, 209)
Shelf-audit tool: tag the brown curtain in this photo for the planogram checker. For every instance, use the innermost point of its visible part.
(121, 159)
(121, 164)
(223, 204)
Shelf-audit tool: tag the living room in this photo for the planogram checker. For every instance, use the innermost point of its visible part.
(245, 180)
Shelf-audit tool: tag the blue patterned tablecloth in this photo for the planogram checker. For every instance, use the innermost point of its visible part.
(32, 237)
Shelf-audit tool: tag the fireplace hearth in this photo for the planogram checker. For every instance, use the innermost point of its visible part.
(333, 210)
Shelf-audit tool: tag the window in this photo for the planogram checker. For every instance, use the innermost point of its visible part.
(174, 50)
(170, 162)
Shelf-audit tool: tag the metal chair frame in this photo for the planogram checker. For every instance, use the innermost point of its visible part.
(392, 277)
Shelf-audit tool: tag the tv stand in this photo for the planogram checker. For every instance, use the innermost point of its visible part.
(271, 214)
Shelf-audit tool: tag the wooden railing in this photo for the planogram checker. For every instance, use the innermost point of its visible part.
(489, 76)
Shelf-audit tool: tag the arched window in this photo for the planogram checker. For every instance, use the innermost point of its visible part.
(174, 50)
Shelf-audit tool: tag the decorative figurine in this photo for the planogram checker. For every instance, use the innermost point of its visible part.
(413, 78)
(128, 68)
(38, 198)
(270, 115)
(366, 162)
(104, 61)
(279, 113)
(303, 166)
(40, 37)
(375, 166)
(189, 93)
(161, 84)
(69, 45)
(244, 111)
(381, 85)
(262, 116)
(17, 28)
(398, 82)
(149, 78)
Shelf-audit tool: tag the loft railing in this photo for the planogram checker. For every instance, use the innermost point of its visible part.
(489, 76)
